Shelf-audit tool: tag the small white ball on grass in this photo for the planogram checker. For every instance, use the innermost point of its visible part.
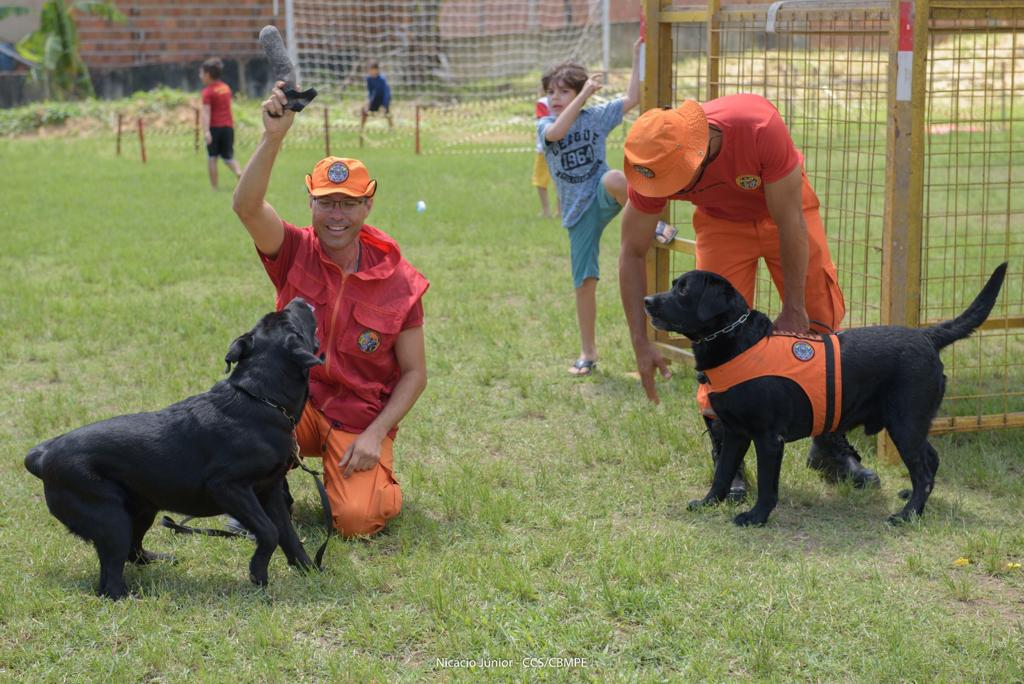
(421, 206)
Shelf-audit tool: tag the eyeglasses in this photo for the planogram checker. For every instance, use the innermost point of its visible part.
(347, 203)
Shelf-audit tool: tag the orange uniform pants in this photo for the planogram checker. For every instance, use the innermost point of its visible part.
(363, 502)
(732, 249)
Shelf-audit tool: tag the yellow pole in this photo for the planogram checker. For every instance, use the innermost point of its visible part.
(904, 178)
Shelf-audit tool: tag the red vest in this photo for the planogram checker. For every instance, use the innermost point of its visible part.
(811, 361)
(358, 317)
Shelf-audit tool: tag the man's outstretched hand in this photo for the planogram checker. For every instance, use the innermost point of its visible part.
(647, 360)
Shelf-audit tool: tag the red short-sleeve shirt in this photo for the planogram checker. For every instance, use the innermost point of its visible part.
(756, 149)
(218, 96)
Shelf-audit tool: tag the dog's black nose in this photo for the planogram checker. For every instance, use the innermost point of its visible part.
(648, 303)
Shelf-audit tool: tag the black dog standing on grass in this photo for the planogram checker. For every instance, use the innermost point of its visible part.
(891, 377)
(224, 451)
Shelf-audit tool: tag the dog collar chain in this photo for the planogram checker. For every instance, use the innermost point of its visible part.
(727, 329)
(266, 401)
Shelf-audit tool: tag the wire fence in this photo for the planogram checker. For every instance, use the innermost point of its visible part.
(830, 69)
(498, 125)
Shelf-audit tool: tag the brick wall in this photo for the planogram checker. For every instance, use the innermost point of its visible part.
(188, 31)
(178, 32)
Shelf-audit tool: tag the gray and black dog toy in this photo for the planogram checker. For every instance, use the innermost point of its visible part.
(284, 70)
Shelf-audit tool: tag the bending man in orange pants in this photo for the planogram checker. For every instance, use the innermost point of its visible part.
(369, 315)
(734, 159)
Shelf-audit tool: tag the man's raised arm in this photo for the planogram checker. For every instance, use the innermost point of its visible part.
(258, 217)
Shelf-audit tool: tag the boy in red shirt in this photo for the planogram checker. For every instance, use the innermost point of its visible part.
(218, 126)
(366, 299)
(734, 159)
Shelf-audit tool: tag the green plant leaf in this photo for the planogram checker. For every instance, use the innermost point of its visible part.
(31, 46)
(53, 50)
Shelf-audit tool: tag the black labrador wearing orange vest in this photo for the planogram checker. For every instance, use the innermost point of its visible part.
(892, 378)
(224, 451)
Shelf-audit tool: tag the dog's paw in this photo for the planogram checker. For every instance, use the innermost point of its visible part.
(698, 504)
(736, 495)
(750, 519)
(146, 557)
(114, 592)
(902, 518)
(306, 567)
(259, 580)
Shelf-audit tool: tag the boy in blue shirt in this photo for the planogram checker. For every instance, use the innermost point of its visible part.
(589, 193)
(378, 95)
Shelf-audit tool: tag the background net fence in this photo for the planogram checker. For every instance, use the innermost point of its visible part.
(444, 52)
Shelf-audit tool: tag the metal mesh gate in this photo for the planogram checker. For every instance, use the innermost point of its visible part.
(910, 116)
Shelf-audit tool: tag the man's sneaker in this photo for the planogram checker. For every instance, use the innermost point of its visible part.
(738, 488)
(233, 525)
(835, 459)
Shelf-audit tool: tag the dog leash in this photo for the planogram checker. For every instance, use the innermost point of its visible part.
(181, 528)
(325, 503)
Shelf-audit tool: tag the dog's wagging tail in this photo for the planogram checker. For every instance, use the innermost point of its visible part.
(946, 333)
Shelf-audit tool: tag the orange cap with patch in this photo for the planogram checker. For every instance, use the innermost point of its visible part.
(664, 149)
(333, 175)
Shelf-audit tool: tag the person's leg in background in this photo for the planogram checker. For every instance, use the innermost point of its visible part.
(584, 250)
(211, 168)
(363, 502)
(614, 182)
(228, 152)
(730, 249)
(830, 454)
(541, 180)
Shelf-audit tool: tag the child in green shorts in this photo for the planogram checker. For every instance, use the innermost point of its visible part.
(590, 194)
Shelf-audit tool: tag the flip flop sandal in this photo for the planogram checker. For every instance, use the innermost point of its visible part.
(583, 367)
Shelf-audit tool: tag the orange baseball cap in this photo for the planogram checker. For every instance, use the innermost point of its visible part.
(664, 149)
(333, 175)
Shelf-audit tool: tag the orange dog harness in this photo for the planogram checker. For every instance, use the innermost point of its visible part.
(811, 361)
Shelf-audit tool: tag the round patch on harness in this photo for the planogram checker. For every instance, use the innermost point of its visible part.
(337, 172)
(803, 351)
(368, 341)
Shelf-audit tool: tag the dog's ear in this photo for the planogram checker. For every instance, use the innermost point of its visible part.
(714, 300)
(239, 349)
(300, 354)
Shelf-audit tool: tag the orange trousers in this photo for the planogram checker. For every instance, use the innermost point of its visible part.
(732, 249)
(363, 502)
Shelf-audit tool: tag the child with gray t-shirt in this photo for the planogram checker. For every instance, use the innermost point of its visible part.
(590, 195)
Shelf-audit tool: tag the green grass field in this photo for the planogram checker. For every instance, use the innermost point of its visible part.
(545, 517)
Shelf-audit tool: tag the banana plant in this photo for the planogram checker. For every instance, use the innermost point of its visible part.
(53, 47)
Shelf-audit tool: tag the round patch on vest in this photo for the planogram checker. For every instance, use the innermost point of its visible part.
(748, 182)
(368, 341)
(337, 172)
(803, 351)
(643, 171)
